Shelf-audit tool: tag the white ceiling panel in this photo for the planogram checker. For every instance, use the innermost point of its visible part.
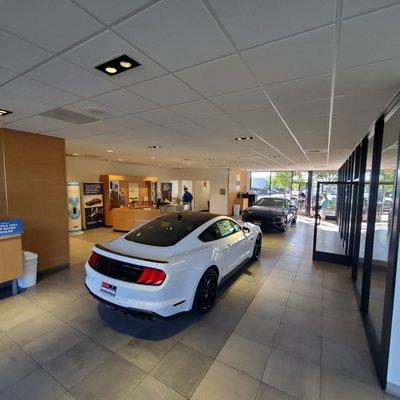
(125, 101)
(47, 23)
(300, 90)
(301, 111)
(21, 107)
(17, 55)
(380, 75)
(254, 22)
(109, 11)
(296, 57)
(160, 116)
(131, 122)
(256, 117)
(93, 109)
(166, 90)
(370, 38)
(35, 90)
(188, 129)
(219, 123)
(218, 77)
(196, 109)
(87, 130)
(245, 100)
(107, 46)
(182, 25)
(64, 75)
(352, 8)
(6, 75)
(38, 124)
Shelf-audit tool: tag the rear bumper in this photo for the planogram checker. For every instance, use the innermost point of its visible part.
(141, 300)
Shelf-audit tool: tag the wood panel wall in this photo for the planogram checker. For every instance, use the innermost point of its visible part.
(232, 195)
(35, 183)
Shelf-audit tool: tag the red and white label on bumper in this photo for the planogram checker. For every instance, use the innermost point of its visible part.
(108, 289)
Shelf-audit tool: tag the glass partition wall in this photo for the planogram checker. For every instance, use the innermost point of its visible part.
(362, 225)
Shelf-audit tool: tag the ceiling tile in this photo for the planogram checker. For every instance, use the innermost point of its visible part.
(296, 57)
(187, 128)
(245, 100)
(381, 75)
(47, 23)
(35, 90)
(107, 46)
(196, 109)
(125, 101)
(217, 77)
(182, 25)
(109, 11)
(6, 75)
(300, 90)
(129, 121)
(38, 124)
(302, 111)
(166, 90)
(67, 76)
(88, 130)
(352, 8)
(219, 123)
(21, 107)
(369, 38)
(259, 21)
(160, 116)
(256, 117)
(17, 55)
(94, 109)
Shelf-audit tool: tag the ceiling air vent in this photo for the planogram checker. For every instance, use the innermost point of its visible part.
(72, 117)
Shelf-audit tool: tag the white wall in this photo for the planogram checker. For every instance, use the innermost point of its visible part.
(201, 195)
(393, 375)
(88, 170)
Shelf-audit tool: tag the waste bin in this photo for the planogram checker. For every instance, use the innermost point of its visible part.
(30, 270)
(236, 210)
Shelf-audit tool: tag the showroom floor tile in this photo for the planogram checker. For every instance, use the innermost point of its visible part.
(285, 328)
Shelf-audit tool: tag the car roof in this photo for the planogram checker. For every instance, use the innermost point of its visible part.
(196, 219)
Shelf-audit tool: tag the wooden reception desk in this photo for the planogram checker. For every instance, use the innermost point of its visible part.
(125, 219)
(11, 264)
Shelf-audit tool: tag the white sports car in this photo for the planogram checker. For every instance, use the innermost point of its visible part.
(171, 264)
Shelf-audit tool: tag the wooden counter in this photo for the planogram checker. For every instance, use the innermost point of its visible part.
(11, 264)
(125, 219)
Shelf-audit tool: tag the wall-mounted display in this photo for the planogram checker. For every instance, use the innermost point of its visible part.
(93, 205)
(74, 208)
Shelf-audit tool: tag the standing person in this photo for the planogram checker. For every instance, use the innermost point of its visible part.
(187, 197)
(302, 201)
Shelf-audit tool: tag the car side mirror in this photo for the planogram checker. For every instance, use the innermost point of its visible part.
(246, 231)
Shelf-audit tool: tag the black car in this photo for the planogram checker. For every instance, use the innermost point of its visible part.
(271, 212)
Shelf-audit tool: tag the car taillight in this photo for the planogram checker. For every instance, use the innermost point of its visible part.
(151, 276)
(93, 259)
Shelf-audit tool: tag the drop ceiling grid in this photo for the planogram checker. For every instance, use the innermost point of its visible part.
(201, 97)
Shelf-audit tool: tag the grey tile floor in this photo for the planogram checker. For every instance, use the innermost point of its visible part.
(285, 328)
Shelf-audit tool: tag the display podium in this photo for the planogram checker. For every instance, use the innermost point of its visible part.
(11, 262)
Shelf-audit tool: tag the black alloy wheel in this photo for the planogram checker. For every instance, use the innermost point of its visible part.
(206, 292)
(257, 248)
(284, 227)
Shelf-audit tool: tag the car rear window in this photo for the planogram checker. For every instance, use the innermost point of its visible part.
(160, 232)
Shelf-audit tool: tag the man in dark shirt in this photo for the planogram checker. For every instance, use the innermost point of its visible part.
(187, 197)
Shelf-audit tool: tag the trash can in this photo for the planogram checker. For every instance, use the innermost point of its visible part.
(236, 210)
(30, 270)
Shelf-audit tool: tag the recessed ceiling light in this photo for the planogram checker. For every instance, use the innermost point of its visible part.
(4, 112)
(75, 154)
(154, 147)
(125, 64)
(152, 158)
(120, 159)
(118, 65)
(209, 159)
(109, 151)
(160, 165)
(111, 70)
(244, 138)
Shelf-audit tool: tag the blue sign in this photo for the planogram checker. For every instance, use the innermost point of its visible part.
(11, 227)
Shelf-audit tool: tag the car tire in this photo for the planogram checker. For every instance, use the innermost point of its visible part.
(294, 220)
(257, 248)
(206, 292)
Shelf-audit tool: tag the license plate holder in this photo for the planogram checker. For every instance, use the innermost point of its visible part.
(108, 289)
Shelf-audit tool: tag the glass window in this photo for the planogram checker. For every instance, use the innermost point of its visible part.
(383, 221)
(210, 234)
(160, 232)
(226, 227)
(270, 202)
(281, 184)
(260, 183)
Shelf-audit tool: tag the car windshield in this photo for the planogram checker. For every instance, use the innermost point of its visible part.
(160, 232)
(270, 202)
